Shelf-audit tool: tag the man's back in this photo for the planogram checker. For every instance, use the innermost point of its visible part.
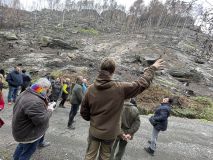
(77, 94)
(130, 118)
(104, 101)
(105, 110)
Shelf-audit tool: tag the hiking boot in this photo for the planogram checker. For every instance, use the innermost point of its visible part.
(149, 150)
(44, 144)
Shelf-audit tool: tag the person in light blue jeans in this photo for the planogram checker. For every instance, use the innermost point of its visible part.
(159, 122)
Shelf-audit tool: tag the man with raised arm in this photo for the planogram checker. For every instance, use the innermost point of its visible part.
(103, 104)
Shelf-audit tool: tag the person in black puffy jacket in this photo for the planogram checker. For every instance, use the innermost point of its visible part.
(26, 80)
(159, 122)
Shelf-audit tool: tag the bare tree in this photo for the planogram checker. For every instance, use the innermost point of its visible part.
(53, 3)
(137, 8)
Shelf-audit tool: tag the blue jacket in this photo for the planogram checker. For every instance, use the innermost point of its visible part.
(161, 116)
(14, 79)
(84, 88)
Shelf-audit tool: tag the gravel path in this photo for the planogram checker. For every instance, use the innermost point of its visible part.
(185, 139)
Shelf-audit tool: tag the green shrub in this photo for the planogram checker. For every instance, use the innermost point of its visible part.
(56, 73)
(197, 107)
(185, 112)
(90, 31)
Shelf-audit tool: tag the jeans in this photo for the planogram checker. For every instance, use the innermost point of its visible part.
(98, 146)
(12, 94)
(25, 151)
(121, 145)
(73, 112)
(154, 138)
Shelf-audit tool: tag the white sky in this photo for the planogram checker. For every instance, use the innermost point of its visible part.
(127, 3)
(28, 3)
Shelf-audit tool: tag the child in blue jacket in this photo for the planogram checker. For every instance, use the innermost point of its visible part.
(159, 122)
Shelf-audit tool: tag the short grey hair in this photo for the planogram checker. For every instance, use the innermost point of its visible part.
(43, 82)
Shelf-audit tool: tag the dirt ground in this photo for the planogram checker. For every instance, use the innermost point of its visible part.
(185, 139)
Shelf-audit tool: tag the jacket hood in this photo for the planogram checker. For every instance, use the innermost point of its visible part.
(103, 81)
(40, 96)
(128, 104)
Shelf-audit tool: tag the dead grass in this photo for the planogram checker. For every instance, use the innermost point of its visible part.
(190, 107)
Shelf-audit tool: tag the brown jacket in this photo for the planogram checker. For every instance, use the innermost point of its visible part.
(103, 102)
(30, 117)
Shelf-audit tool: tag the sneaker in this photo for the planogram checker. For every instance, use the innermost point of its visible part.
(44, 144)
(9, 103)
(149, 142)
(149, 150)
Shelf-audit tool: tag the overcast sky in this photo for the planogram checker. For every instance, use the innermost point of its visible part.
(28, 3)
(127, 3)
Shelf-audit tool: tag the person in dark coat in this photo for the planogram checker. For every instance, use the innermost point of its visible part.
(159, 122)
(15, 80)
(26, 80)
(2, 72)
(76, 98)
(31, 114)
(56, 90)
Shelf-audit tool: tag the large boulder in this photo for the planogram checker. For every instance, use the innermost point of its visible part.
(45, 41)
(8, 36)
(185, 75)
(61, 44)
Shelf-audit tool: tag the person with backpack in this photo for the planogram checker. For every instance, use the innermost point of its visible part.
(159, 122)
